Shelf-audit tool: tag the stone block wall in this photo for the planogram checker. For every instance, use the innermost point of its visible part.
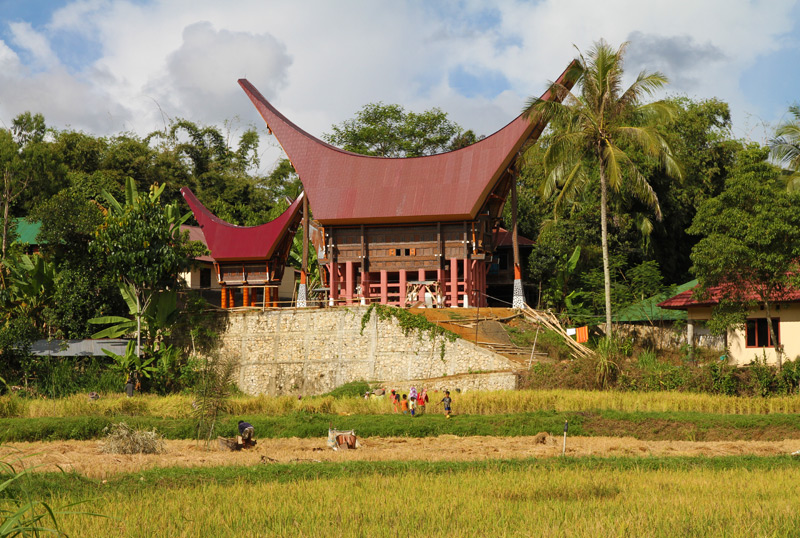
(311, 351)
(462, 383)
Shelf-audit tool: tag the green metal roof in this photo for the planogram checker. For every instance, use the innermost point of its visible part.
(27, 231)
(648, 310)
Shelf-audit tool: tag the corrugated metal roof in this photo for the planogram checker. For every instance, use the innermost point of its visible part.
(196, 234)
(684, 300)
(28, 231)
(348, 188)
(229, 242)
(79, 348)
(503, 239)
(649, 309)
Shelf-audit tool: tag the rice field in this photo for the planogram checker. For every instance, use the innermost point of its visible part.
(479, 403)
(613, 498)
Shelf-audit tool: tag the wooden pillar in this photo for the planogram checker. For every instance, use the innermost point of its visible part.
(334, 281)
(519, 295)
(231, 298)
(302, 290)
(454, 282)
(384, 287)
(349, 282)
(223, 297)
(245, 296)
(440, 300)
(254, 297)
(276, 298)
(402, 302)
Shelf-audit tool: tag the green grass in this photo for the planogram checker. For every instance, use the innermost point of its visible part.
(660, 426)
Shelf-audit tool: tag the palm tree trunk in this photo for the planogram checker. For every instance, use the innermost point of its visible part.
(604, 241)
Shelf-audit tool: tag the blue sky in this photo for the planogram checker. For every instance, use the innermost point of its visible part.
(106, 66)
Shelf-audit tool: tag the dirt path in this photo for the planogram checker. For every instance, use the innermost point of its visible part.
(86, 458)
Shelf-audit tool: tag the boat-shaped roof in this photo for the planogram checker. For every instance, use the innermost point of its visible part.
(228, 242)
(348, 188)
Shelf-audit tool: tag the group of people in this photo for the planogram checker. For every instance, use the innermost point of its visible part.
(414, 402)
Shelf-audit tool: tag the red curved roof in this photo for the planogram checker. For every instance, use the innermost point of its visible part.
(349, 188)
(229, 242)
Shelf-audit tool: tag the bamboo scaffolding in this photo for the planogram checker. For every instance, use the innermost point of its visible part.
(549, 320)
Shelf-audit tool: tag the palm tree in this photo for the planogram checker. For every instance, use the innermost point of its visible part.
(595, 128)
(785, 147)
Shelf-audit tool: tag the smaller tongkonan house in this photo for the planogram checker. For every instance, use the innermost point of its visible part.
(404, 231)
(753, 340)
(249, 261)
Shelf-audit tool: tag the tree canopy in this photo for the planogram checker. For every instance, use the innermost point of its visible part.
(389, 131)
(750, 243)
(599, 128)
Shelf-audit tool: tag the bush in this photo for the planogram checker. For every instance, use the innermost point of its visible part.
(723, 378)
(348, 390)
(762, 376)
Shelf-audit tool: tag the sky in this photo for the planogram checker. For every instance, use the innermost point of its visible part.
(109, 66)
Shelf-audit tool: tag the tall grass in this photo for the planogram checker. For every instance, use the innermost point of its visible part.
(619, 498)
(477, 402)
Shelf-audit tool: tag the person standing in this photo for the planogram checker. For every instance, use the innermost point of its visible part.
(404, 405)
(447, 401)
(395, 400)
(130, 383)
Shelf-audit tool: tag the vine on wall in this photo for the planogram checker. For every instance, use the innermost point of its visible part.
(409, 322)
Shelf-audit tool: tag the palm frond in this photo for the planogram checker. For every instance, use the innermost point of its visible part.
(646, 84)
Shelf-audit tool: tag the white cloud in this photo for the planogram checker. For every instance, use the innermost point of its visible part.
(200, 79)
(320, 61)
(37, 45)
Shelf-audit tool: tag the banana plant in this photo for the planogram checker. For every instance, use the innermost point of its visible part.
(161, 312)
(131, 362)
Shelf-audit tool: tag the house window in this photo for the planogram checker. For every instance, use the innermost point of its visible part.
(205, 278)
(758, 332)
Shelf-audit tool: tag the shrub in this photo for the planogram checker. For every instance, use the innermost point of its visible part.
(723, 378)
(348, 390)
(122, 439)
(762, 376)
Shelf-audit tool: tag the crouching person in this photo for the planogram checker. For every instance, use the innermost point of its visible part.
(246, 434)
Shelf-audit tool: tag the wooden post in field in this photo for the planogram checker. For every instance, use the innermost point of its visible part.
(564, 448)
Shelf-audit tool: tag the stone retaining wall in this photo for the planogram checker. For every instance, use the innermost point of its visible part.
(311, 351)
(462, 383)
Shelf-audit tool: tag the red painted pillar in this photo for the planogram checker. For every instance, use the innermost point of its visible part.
(365, 286)
(467, 282)
(245, 296)
(384, 287)
(421, 275)
(454, 282)
(334, 281)
(402, 298)
(223, 297)
(349, 282)
(231, 298)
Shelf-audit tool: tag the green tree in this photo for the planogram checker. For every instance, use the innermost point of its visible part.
(599, 127)
(142, 243)
(785, 147)
(389, 131)
(750, 243)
